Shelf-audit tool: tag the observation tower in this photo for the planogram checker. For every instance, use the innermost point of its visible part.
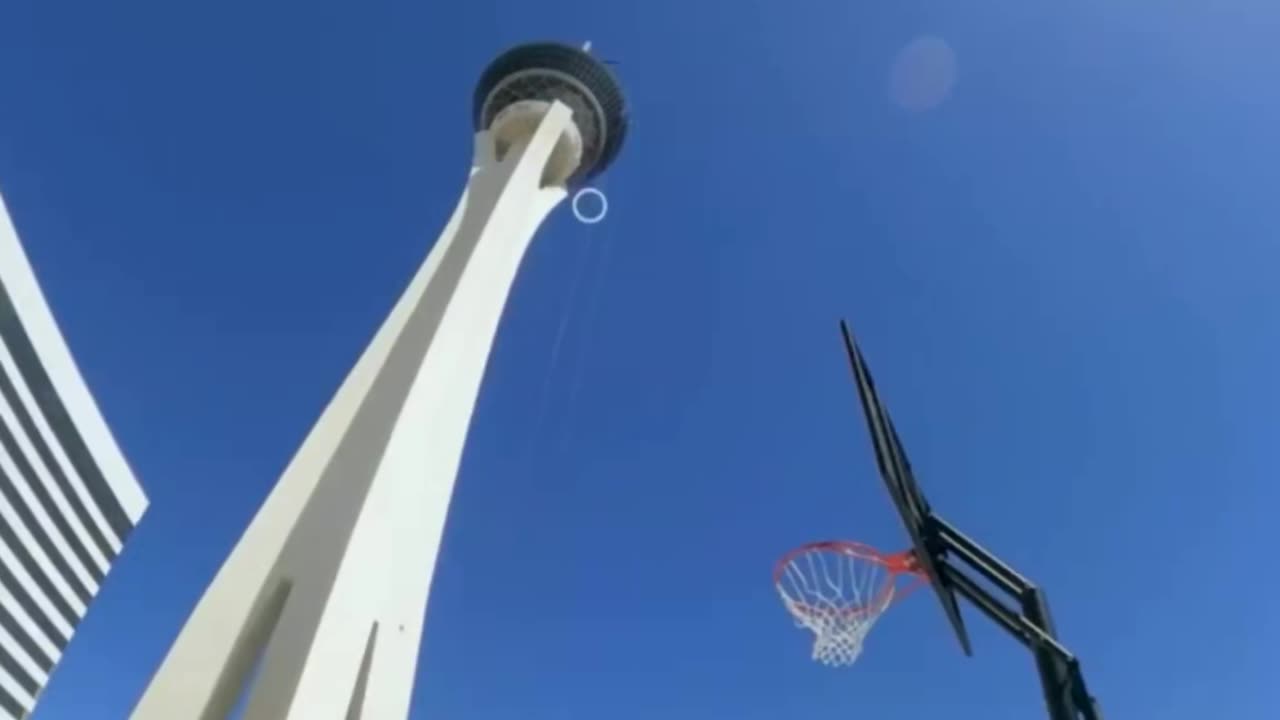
(318, 612)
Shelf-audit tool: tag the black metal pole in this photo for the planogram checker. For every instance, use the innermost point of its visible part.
(1053, 670)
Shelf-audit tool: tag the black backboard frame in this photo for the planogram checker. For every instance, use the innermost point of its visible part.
(895, 470)
(951, 561)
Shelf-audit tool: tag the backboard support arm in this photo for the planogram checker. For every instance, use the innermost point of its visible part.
(1066, 695)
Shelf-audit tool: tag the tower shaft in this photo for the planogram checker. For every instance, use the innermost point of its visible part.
(317, 614)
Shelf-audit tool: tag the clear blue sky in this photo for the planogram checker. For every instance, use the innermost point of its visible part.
(1063, 277)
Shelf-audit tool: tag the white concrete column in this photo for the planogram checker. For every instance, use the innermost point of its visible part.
(329, 584)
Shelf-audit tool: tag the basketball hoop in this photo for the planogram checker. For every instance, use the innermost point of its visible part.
(838, 589)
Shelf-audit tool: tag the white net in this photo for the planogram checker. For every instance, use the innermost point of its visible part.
(838, 594)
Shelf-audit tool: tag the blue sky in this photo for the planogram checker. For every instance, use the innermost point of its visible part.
(1062, 276)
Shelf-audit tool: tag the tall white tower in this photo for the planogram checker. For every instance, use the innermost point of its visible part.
(320, 605)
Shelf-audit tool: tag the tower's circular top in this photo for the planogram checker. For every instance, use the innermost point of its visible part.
(552, 71)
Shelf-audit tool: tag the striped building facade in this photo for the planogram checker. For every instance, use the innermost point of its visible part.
(68, 500)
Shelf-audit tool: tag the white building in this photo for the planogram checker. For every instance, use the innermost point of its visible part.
(318, 612)
(68, 499)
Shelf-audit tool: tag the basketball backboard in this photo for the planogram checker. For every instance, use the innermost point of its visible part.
(895, 470)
